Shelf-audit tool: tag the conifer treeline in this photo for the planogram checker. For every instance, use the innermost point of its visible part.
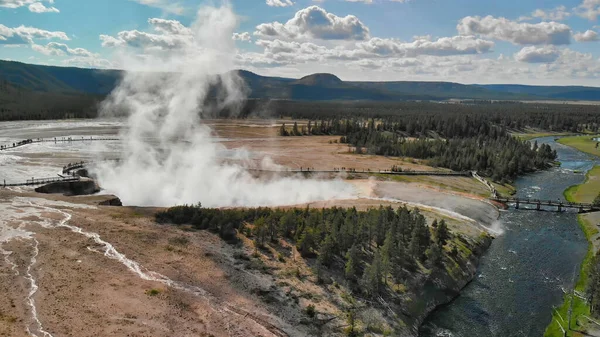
(371, 248)
(510, 115)
(459, 142)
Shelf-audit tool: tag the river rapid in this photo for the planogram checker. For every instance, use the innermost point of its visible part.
(523, 274)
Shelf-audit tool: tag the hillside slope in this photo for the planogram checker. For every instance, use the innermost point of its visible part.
(315, 87)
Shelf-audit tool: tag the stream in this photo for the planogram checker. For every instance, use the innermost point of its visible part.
(523, 274)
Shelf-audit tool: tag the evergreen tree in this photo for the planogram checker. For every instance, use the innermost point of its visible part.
(387, 254)
(306, 244)
(442, 234)
(260, 232)
(352, 264)
(434, 254)
(283, 131)
(372, 277)
(420, 238)
(326, 252)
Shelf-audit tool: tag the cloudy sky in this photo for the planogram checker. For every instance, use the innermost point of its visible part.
(467, 41)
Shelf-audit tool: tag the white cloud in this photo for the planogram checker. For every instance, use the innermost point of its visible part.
(279, 3)
(455, 45)
(589, 9)
(61, 49)
(169, 26)
(557, 14)
(26, 35)
(371, 54)
(35, 6)
(553, 33)
(531, 54)
(315, 22)
(138, 39)
(245, 36)
(170, 34)
(88, 62)
(587, 36)
(166, 5)
(39, 7)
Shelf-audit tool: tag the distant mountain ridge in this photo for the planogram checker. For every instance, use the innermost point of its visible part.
(315, 87)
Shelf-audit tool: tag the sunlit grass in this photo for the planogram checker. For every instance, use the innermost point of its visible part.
(582, 143)
(585, 192)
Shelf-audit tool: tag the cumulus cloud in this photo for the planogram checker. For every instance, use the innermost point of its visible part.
(279, 3)
(170, 34)
(245, 36)
(532, 54)
(166, 5)
(169, 26)
(552, 33)
(371, 54)
(27, 35)
(559, 13)
(61, 49)
(455, 45)
(35, 6)
(39, 7)
(138, 39)
(88, 62)
(315, 22)
(587, 36)
(589, 9)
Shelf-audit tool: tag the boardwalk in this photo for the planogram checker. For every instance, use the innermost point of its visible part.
(368, 171)
(75, 166)
(560, 205)
(40, 181)
(54, 140)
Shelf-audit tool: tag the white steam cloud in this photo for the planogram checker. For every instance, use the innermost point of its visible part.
(169, 157)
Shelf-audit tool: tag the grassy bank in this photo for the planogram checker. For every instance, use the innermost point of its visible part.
(582, 143)
(588, 190)
(585, 192)
(533, 134)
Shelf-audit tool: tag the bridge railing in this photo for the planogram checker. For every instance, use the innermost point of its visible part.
(544, 202)
(40, 181)
(54, 140)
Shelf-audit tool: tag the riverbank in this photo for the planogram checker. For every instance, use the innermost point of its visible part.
(584, 192)
(583, 143)
(538, 134)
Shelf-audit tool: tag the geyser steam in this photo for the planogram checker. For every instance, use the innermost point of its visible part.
(169, 156)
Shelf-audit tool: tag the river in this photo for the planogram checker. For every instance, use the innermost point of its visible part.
(522, 275)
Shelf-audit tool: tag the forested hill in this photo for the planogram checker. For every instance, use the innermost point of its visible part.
(58, 79)
(316, 87)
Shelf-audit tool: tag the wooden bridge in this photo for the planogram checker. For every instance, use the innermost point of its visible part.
(560, 205)
(40, 181)
(73, 166)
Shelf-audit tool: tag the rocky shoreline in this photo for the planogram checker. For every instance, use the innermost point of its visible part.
(450, 287)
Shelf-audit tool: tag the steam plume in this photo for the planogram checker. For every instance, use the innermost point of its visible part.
(169, 156)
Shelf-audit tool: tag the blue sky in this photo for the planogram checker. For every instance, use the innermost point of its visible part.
(467, 41)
